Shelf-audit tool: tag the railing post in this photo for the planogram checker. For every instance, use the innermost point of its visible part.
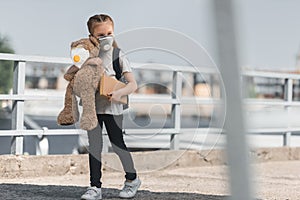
(287, 139)
(288, 97)
(17, 120)
(176, 109)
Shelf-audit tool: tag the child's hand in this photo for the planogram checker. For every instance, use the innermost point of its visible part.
(115, 96)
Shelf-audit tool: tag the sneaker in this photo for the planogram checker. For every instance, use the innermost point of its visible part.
(130, 188)
(92, 193)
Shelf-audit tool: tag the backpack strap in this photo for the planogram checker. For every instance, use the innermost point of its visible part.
(118, 70)
(116, 63)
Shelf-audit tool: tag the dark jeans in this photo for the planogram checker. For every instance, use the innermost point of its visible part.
(113, 124)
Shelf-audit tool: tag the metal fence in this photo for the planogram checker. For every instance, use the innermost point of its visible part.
(176, 100)
(287, 102)
(18, 97)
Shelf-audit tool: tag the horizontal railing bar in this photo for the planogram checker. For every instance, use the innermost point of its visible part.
(79, 131)
(273, 130)
(143, 66)
(23, 97)
(198, 100)
(271, 103)
(133, 99)
(43, 59)
(150, 66)
(151, 99)
(40, 132)
(153, 131)
(173, 131)
(201, 130)
(157, 131)
(167, 67)
(279, 131)
(280, 75)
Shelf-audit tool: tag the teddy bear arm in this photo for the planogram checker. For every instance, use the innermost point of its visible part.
(69, 114)
(69, 75)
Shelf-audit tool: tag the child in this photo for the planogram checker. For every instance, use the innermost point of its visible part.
(109, 112)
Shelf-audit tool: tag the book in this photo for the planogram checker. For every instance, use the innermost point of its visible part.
(109, 84)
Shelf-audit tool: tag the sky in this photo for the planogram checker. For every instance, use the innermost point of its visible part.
(268, 30)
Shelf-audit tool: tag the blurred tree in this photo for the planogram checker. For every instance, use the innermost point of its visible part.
(6, 67)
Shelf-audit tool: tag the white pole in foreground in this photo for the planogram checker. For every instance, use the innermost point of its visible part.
(237, 147)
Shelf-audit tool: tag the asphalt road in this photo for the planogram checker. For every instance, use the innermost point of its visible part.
(35, 192)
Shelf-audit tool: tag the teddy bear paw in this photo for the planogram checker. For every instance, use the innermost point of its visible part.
(66, 118)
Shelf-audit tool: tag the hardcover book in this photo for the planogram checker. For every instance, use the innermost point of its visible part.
(109, 84)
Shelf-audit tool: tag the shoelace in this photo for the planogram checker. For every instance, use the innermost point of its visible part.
(91, 191)
(128, 188)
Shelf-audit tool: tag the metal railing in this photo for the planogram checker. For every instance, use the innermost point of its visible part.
(287, 103)
(176, 100)
(18, 97)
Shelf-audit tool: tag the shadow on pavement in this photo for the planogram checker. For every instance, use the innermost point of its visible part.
(37, 192)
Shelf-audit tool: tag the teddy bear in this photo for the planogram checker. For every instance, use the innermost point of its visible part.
(84, 78)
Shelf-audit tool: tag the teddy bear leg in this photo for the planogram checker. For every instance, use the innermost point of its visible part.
(89, 119)
(66, 116)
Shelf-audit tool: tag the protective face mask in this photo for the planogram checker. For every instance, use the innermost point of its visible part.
(79, 55)
(106, 42)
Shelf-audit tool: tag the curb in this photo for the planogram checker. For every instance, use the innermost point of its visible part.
(14, 166)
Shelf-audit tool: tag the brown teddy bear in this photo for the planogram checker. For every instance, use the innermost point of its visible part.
(84, 77)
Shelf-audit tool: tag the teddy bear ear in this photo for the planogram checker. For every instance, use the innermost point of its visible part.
(73, 44)
(76, 43)
(94, 40)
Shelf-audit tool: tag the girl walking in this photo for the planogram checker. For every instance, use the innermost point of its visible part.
(110, 113)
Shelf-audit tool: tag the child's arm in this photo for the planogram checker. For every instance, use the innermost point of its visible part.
(131, 86)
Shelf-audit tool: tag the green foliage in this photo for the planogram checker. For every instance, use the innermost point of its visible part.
(6, 67)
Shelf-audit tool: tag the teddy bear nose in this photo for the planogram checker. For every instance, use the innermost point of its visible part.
(76, 58)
